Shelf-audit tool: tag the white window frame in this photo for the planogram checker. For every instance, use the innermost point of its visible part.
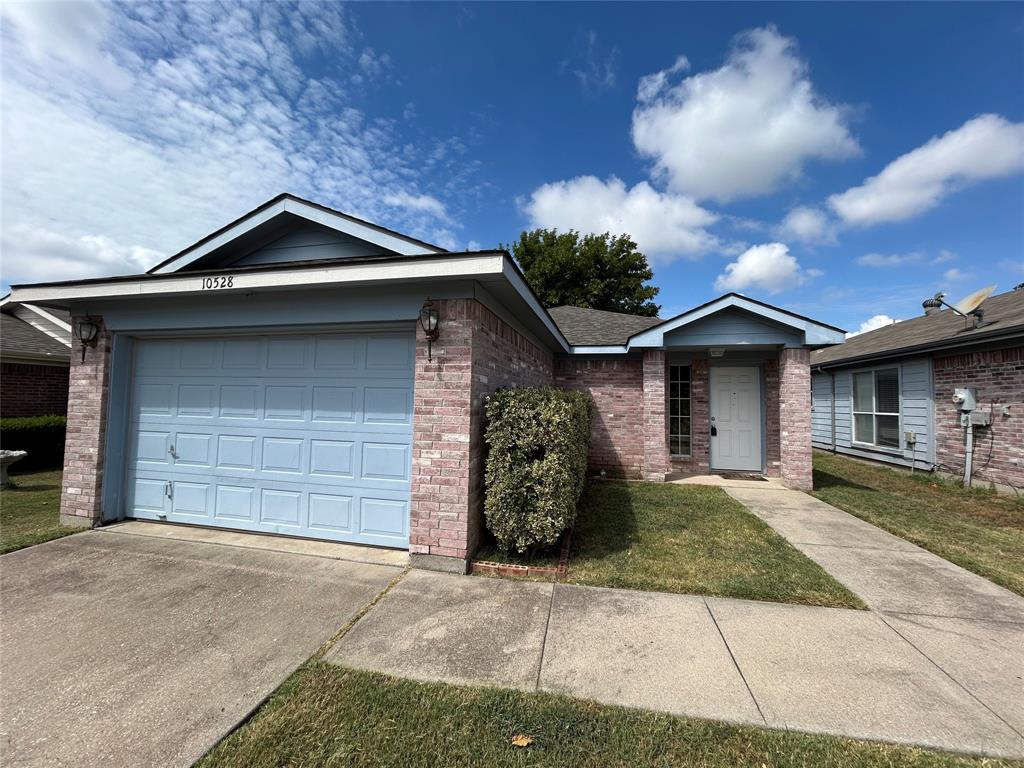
(671, 419)
(874, 412)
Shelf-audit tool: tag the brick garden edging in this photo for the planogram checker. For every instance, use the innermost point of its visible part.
(526, 571)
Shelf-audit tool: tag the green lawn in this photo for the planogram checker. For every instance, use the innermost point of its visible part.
(30, 511)
(328, 716)
(974, 528)
(690, 539)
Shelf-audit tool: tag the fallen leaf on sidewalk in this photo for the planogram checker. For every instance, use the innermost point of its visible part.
(521, 741)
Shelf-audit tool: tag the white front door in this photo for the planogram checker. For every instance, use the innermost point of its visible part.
(736, 419)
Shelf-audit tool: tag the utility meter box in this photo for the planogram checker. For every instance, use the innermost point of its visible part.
(965, 398)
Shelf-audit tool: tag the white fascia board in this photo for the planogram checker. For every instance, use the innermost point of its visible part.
(433, 268)
(814, 333)
(310, 213)
(354, 228)
(512, 275)
(222, 239)
(600, 350)
(48, 317)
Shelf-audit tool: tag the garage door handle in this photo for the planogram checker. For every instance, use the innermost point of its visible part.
(171, 451)
(169, 489)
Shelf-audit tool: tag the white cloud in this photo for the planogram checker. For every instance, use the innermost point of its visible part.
(944, 256)
(872, 323)
(808, 225)
(593, 66)
(421, 203)
(743, 129)
(124, 148)
(889, 260)
(27, 251)
(664, 226)
(955, 275)
(651, 85)
(769, 267)
(986, 147)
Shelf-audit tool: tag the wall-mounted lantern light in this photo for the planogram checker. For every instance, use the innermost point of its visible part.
(429, 323)
(87, 331)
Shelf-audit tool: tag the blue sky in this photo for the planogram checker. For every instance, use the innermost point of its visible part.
(842, 160)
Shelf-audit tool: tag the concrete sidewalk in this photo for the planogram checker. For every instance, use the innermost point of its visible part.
(852, 673)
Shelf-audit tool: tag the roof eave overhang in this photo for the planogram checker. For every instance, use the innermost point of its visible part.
(1005, 334)
(487, 267)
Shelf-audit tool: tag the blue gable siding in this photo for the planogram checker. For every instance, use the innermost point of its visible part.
(309, 242)
(731, 327)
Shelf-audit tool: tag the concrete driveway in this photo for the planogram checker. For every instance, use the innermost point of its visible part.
(121, 649)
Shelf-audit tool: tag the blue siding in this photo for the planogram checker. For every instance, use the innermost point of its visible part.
(307, 243)
(731, 327)
(821, 409)
(916, 412)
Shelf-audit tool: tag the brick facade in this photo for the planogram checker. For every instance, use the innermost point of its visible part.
(30, 389)
(477, 353)
(998, 377)
(655, 422)
(795, 418)
(81, 496)
(616, 385)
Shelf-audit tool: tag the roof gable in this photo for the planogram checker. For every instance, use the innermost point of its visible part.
(813, 332)
(257, 231)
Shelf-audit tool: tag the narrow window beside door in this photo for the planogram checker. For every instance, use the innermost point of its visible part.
(876, 407)
(679, 410)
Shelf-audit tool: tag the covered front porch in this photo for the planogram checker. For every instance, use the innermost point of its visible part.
(728, 411)
(723, 388)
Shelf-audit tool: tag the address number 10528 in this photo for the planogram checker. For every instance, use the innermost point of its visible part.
(218, 282)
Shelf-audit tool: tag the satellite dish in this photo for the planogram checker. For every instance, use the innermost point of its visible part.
(970, 303)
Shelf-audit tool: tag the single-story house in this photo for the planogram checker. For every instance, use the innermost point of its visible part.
(35, 356)
(888, 394)
(304, 372)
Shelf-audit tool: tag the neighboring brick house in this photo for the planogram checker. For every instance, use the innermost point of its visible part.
(35, 352)
(277, 376)
(884, 388)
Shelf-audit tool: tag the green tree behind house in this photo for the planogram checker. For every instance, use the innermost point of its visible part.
(596, 271)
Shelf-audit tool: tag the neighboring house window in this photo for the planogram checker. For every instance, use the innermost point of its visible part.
(876, 407)
(679, 410)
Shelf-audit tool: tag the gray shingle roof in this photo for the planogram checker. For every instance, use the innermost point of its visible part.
(1003, 313)
(18, 337)
(582, 326)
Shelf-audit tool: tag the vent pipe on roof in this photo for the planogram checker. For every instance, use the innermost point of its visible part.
(932, 306)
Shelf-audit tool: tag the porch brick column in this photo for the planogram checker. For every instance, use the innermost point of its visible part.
(656, 459)
(89, 381)
(795, 418)
(440, 525)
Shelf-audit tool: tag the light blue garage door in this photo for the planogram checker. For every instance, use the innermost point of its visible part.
(299, 435)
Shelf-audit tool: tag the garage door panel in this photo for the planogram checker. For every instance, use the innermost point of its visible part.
(283, 454)
(303, 435)
(153, 448)
(234, 503)
(330, 512)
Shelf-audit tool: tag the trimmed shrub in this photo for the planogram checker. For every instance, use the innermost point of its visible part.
(41, 436)
(538, 439)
